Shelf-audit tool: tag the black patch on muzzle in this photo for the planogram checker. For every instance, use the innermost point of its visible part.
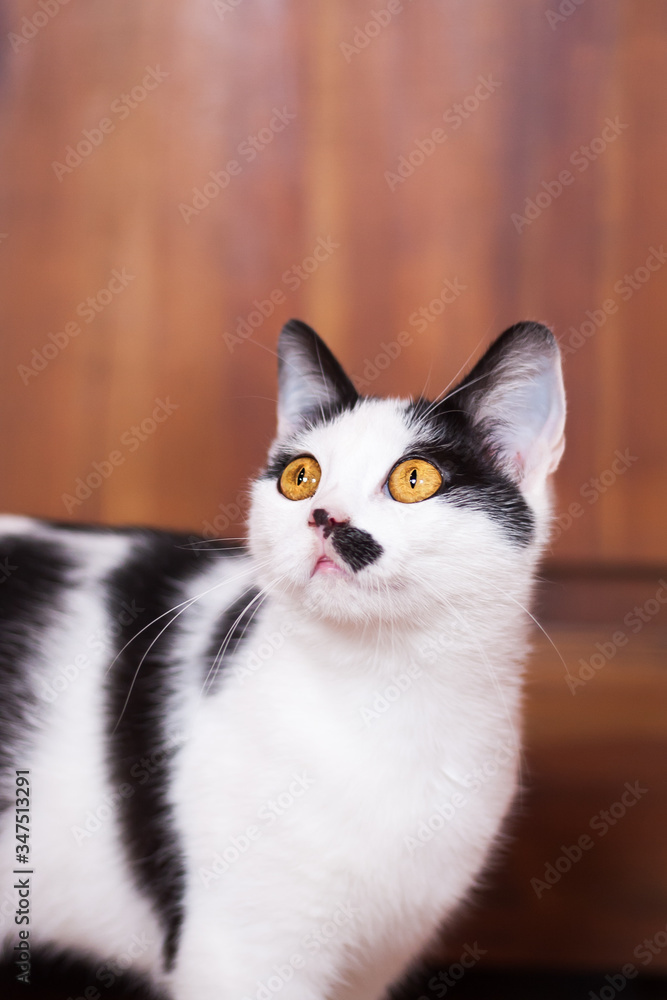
(358, 548)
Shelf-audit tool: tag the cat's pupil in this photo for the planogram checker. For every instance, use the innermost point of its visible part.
(302, 474)
(413, 478)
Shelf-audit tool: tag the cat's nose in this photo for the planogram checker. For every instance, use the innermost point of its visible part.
(322, 518)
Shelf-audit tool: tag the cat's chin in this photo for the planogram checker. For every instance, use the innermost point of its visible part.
(338, 596)
(332, 593)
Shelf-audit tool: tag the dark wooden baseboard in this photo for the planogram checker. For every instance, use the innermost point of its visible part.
(590, 595)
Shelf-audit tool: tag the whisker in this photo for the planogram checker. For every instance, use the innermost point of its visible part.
(428, 379)
(539, 625)
(188, 600)
(219, 656)
(143, 658)
(442, 395)
(179, 609)
(480, 378)
(492, 673)
(506, 593)
(464, 366)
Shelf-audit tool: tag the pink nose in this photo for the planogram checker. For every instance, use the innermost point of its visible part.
(321, 518)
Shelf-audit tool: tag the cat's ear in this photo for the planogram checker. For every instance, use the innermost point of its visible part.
(515, 395)
(310, 379)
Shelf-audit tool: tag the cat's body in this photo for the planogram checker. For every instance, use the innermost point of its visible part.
(283, 786)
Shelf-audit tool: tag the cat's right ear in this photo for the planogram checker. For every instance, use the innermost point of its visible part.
(515, 396)
(311, 382)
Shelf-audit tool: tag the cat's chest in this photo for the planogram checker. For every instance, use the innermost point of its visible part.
(307, 777)
(314, 742)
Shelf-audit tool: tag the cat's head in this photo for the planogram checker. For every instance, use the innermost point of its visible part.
(376, 509)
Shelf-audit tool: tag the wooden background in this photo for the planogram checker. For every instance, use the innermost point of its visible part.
(551, 86)
(336, 107)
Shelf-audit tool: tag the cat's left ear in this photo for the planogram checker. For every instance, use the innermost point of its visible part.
(310, 379)
(515, 396)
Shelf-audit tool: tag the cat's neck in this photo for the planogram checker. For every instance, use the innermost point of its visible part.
(447, 636)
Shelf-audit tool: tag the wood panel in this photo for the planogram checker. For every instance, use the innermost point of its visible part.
(581, 882)
(333, 124)
(163, 399)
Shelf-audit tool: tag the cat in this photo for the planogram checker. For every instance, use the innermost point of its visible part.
(275, 769)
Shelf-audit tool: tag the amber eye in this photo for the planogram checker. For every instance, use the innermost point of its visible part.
(414, 480)
(300, 479)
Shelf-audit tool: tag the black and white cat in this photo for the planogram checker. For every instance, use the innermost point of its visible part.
(274, 770)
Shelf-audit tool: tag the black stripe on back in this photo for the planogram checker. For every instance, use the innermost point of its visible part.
(33, 581)
(150, 581)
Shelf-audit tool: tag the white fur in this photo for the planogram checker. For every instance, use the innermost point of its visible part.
(351, 770)
(449, 583)
(82, 894)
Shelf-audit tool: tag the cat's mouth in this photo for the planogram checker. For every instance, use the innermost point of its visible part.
(326, 565)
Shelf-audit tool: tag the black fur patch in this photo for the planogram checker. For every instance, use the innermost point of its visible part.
(140, 691)
(234, 626)
(357, 547)
(33, 579)
(280, 459)
(446, 437)
(63, 975)
(303, 355)
(328, 412)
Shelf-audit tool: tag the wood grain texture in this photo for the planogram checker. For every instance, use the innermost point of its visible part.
(359, 102)
(584, 746)
(310, 217)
